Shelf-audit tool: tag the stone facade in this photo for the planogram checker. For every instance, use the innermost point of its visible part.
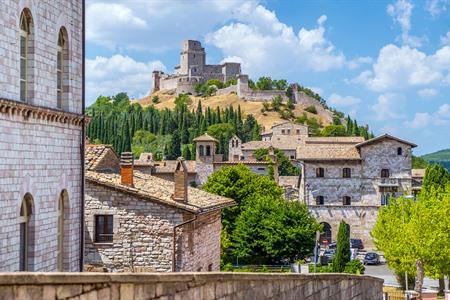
(193, 70)
(143, 235)
(376, 169)
(205, 286)
(40, 142)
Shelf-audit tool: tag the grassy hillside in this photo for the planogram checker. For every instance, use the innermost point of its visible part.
(442, 157)
(266, 119)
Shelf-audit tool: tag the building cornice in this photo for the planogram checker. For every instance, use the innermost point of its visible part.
(27, 111)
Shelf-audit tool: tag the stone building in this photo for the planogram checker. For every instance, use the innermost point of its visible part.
(41, 134)
(285, 136)
(138, 222)
(347, 178)
(193, 70)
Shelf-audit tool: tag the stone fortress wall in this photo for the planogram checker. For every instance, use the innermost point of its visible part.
(206, 286)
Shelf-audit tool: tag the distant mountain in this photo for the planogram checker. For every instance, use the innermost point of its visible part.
(442, 157)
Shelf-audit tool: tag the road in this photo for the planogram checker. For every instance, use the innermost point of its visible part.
(382, 271)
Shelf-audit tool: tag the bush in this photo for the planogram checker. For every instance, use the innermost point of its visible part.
(311, 109)
(277, 101)
(354, 267)
(320, 268)
(155, 99)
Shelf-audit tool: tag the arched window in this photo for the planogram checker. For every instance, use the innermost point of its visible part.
(26, 46)
(320, 200)
(326, 235)
(208, 150)
(232, 143)
(399, 151)
(62, 72)
(346, 172)
(320, 172)
(63, 205)
(201, 150)
(26, 234)
(346, 200)
(385, 173)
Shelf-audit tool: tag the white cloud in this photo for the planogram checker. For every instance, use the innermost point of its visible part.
(389, 106)
(343, 101)
(420, 120)
(444, 111)
(401, 12)
(111, 75)
(267, 45)
(316, 90)
(397, 68)
(427, 93)
(436, 7)
(358, 62)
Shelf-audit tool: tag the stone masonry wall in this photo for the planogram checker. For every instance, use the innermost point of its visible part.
(204, 286)
(143, 234)
(48, 17)
(41, 158)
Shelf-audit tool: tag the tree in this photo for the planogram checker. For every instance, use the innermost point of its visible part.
(435, 181)
(311, 109)
(264, 83)
(186, 152)
(277, 101)
(155, 99)
(418, 162)
(285, 166)
(342, 256)
(334, 130)
(174, 151)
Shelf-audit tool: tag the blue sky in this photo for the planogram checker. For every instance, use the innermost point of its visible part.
(386, 63)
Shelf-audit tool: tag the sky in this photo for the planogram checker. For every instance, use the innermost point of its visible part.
(385, 63)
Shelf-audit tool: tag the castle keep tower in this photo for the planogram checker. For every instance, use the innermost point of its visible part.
(41, 135)
(192, 58)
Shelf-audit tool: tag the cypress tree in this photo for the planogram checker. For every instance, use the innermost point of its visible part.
(126, 136)
(174, 151)
(186, 152)
(342, 256)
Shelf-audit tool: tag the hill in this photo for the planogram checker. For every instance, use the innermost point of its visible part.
(441, 157)
(167, 100)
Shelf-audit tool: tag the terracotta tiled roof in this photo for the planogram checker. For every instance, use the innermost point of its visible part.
(418, 173)
(281, 142)
(328, 151)
(385, 136)
(335, 139)
(254, 145)
(151, 188)
(94, 155)
(168, 166)
(244, 162)
(205, 138)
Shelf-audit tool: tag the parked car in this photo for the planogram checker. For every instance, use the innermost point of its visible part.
(371, 258)
(356, 243)
(329, 253)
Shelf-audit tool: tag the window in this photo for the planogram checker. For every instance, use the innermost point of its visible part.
(385, 198)
(25, 233)
(261, 169)
(208, 150)
(210, 267)
(346, 200)
(282, 131)
(298, 131)
(61, 236)
(62, 69)
(326, 235)
(320, 172)
(320, 200)
(201, 150)
(292, 156)
(399, 151)
(346, 172)
(232, 143)
(385, 173)
(25, 22)
(288, 131)
(103, 228)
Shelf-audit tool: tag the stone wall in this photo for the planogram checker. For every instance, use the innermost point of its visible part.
(205, 286)
(39, 143)
(143, 234)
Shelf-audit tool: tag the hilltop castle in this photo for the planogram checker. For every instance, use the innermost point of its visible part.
(193, 70)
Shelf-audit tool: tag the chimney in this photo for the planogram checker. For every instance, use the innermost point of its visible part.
(126, 168)
(181, 181)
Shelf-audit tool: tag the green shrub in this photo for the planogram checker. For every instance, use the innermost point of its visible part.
(311, 109)
(155, 99)
(354, 267)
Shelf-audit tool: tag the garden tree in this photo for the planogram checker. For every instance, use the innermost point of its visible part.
(418, 162)
(435, 181)
(285, 167)
(276, 103)
(270, 229)
(334, 130)
(342, 256)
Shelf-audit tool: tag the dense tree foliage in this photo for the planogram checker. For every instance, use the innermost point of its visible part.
(262, 227)
(285, 166)
(414, 234)
(124, 125)
(419, 162)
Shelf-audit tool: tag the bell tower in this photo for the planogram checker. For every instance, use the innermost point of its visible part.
(205, 151)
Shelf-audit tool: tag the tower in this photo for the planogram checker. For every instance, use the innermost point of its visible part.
(205, 150)
(234, 149)
(192, 58)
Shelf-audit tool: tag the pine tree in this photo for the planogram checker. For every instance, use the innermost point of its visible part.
(342, 256)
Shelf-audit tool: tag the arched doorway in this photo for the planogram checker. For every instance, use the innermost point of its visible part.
(326, 234)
